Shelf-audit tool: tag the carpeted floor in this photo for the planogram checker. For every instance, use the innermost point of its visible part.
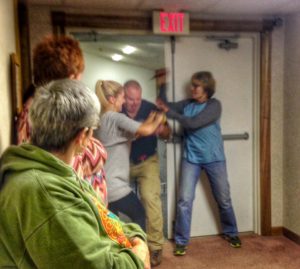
(276, 252)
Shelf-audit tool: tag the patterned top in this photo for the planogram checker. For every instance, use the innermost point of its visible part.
(23, 127)
(89, 166)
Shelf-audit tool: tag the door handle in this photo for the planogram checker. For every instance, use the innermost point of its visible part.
(244, 136)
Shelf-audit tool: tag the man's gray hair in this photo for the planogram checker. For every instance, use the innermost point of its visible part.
(132, 83)
(60, 110)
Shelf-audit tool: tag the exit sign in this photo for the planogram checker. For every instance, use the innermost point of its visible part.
(171, 23)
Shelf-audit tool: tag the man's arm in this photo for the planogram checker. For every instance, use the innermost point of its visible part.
(164, 131)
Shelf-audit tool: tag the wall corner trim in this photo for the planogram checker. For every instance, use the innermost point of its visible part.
(291, 235)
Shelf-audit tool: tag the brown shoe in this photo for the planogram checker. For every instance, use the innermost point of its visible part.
(155, 257)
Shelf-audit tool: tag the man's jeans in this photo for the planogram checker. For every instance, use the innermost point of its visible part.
(217, 176)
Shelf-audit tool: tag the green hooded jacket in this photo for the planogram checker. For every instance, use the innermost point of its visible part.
(49, 218)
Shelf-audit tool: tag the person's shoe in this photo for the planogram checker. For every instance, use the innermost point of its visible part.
(234, 241)
(155, 257)
(179, 250)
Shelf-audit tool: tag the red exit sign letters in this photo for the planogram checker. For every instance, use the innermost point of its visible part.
(171, 23)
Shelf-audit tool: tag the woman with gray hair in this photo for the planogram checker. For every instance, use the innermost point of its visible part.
(49, 217)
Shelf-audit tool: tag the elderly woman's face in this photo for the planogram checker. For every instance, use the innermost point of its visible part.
(197, 91)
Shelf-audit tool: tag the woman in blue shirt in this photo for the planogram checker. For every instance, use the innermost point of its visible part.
(203, 149)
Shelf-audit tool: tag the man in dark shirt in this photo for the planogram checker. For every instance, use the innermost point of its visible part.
(145, 167)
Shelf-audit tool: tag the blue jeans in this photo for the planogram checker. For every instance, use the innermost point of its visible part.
(217, 176)
(131, 206)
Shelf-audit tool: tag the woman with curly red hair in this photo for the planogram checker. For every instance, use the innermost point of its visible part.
(58, 57)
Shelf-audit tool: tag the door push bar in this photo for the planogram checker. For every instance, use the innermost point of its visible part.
(244, 136)
(177, 139)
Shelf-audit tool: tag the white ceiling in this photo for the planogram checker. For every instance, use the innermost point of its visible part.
(208, 7)
(149, 53)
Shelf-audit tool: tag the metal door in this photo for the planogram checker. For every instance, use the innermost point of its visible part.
(236, 72)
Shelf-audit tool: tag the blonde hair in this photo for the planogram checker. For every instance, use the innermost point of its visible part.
(106, 89)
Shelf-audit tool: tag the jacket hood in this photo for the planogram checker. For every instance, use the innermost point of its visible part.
(27, 157)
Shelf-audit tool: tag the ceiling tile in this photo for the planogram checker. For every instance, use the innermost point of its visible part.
(248, 7)
(292, 7)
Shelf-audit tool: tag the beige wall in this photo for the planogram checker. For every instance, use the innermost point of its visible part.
(291, 153)
(39, 24)
(7, 46)
(277, 126)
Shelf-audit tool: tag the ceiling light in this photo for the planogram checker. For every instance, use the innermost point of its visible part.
(128, 49)
(117, 57)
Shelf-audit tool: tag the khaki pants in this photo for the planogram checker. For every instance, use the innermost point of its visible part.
(147, 176)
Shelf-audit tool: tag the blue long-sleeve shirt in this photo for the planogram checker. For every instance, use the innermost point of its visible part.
(203, 141)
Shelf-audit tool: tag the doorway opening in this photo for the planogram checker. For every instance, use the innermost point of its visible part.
(154, 53)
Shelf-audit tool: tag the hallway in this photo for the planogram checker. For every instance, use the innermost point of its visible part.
(212, 252)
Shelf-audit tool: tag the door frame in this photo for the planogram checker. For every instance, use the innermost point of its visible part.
(61, 20)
